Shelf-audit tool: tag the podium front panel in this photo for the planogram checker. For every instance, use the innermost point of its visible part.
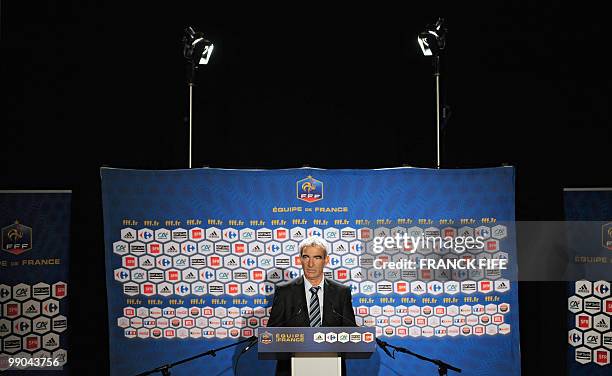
(354, 342)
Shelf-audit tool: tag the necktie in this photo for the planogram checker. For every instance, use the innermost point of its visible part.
(315, 309)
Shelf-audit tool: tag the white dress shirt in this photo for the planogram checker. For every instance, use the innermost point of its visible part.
(307, 286)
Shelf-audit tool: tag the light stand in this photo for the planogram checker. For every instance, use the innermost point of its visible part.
(197, 50)
(433, 42)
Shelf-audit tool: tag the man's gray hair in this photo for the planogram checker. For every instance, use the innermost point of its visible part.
(314, 241)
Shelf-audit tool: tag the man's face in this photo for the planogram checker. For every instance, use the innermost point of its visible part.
(313, 261)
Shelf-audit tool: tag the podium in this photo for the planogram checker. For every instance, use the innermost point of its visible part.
(316, 351)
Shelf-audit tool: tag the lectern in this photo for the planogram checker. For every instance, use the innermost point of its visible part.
(316, 351)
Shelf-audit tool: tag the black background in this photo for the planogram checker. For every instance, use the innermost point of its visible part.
(86, 84)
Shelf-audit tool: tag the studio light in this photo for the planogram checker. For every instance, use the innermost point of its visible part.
(432, 42)
(433, 39)
(196, 48)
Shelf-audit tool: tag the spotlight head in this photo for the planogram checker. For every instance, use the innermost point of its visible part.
(433, 39)
(196, 48)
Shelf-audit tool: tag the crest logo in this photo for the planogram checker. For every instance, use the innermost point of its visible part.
(16, 238)
(309, 189)
(606, 236)
(266, 338)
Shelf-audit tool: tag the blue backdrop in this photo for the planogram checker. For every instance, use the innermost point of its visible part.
(192, 258)
(34, 261)
(589, 216)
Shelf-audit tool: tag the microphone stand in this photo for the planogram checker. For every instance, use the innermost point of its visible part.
(165, 369)
(442, 366)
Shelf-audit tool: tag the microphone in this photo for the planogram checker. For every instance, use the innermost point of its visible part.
(252, 343)
(382, 344)
(343, 317)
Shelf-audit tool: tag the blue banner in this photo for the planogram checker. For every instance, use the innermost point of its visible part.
(589, 240)
(193, 257)
(34, 280)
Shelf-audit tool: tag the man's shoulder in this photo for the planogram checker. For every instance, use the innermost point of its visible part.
(290, 284)
(336, 285)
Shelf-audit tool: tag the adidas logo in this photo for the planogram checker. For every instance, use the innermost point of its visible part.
(584, 289)
(601, 324)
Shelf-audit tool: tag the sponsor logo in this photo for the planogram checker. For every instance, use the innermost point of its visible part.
(196, 234)
(16, 238)
(21, 293)
(11, 344)
(156, 333)
(32, 343)
(154, 248)
(12, 309)
(4, 329)
(59, 290)
(401, 287)
(592, 305)
(179, 234)
(169, 333)
(603, 323)
(583, 289)
(601, 357)
(485, 286)
(51, 343)
(309, 189)
(31, 310)
(606, 236)
(504, 307)
(4, 293)
(584, 322)
(583, 355)
(343, 337)
(362, 311)
(575, 337)
(601, 288)
(265, 338)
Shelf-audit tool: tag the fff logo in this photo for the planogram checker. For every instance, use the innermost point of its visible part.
(309, 189)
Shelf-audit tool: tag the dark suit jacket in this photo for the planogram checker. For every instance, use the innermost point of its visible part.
(290, 308)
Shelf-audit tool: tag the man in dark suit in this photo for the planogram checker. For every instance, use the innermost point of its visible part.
(311, 299)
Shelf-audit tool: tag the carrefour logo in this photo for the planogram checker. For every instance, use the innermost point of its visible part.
(309, 189)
